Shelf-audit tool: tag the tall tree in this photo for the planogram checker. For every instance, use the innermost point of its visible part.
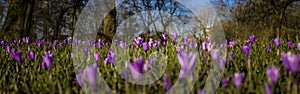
(18, 19)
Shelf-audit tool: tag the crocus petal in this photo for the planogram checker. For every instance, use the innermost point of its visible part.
(224, 81)
(246, 50)
(174, 35)
(276, 41)
(232, 43)
(273, 73)
(97, 56)
(290, 43)
(237, 79)
(145, 46)
(186, 61)
(164, 36)
(298, 46)
(91, 72)
(252, 38)
(268, 88)
(79, 78)
(285, 61)
(16, 55)
(167, 82)
(31, 55)
(269, 47)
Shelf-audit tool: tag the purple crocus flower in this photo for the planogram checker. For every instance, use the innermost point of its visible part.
(249, 43)
(100, 43)
(38, 43)
(137, 40)
(237, 79)
(90, 42)
(178, 49)
(204, 45)
(222, 61)
(164, 35)
(83, 43)
(55, 41)
(16, 55)
(197, 44)
(268, 88)
(79, 78)
(252, 38)
(158, 43)
(163, 50)
(246, 50)
(15, 42)
(115, 41)
(285, 61)
(69, 38)
(207, 39)
(54, 46)
(290, 43)
(148, 62)
(122, 44)
(269, 47)
(298, 46)
(273, 73)
(48, 58)
(60, 44)
(276, 41)
(8, 48)
(214, 54)
(154, 45)
(191, 44)
(291, 61)
(65, 41)
(167, 82)
(97, 56)
(132, 46)
(185, 40)
(91, 74)
(137, 68)
(226, 43)
(71, 54)
(174, 35)
(217, 58)
(224, 81)
(3, 43)
(145, 46)
(111, 57)
(151, 42)
(26, 40)
(31, 55)
(232, 43)
(85, 51)
(187, 61)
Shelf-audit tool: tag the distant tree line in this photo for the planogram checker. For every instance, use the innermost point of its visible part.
(56, 19)
(265, 18)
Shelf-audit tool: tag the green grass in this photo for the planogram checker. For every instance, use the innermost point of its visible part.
(29, 77)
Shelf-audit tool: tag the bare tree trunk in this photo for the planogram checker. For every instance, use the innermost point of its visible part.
(110, 20)
(18, 19)
(28, 20)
